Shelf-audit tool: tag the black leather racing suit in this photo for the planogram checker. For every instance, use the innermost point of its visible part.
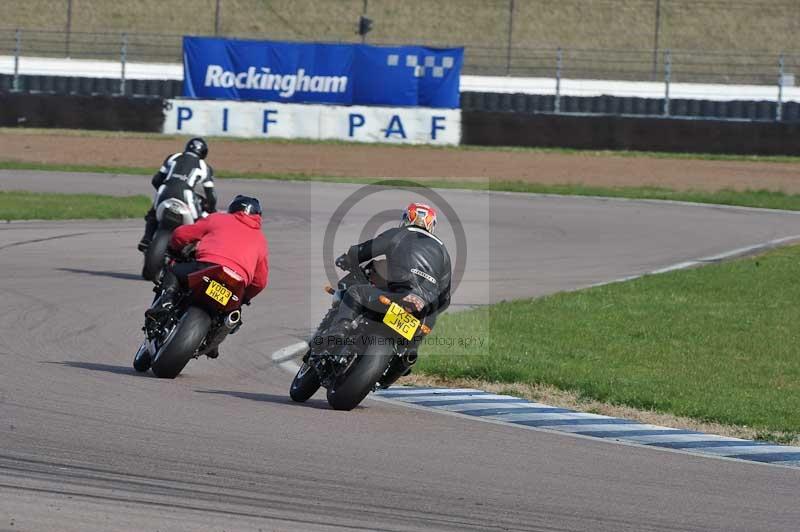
(187, 177)
(417, 263)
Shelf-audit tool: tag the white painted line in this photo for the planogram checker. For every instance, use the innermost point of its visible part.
(680, 438)
(433, 391)
(551, 417)
(748, 450)
(705, 260)
(285, 357)
(614, 428)
(444, 398)
(466, 407)
(679, 266)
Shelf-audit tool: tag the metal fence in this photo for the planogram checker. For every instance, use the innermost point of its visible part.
(691, 66)
(665, 67)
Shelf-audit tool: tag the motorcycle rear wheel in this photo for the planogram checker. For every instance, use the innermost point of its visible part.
(351, 388)
(182, 343)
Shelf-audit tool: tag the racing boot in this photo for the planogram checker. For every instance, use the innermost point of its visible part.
(143, 244)
(151, 224)
(163, 304)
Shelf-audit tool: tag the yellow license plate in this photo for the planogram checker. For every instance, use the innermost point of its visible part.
(218, 293)
(401, 321)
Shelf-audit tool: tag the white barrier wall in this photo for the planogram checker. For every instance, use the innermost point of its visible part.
(569, 87)
(397, 125)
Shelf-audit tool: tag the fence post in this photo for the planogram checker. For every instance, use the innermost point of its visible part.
(656, 34)
(510, 34)
(559, 63)
(667, 79)
(779, 107)
(216, 19)
(68, 36)
(123, 60)
(17, 51)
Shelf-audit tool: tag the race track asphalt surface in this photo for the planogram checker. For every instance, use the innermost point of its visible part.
(88, 444)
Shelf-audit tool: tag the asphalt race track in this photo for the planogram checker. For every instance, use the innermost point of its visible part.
(88, 444)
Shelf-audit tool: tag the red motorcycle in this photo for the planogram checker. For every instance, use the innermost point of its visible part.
(202, 317)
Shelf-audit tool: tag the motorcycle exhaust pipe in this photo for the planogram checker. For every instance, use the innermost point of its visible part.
(409, 359)
(233, 319)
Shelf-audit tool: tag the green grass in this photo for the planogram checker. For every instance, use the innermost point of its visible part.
(748, 198)
(36, 206)
(718, 343)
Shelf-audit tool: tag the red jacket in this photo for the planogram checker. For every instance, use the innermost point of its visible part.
(232, 240)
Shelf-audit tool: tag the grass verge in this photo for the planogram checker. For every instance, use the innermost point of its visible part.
(766, 199)
(558, 151)
(15, 205)
(716, 344)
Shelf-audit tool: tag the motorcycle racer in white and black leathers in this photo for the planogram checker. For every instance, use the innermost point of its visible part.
(185, 176)
(417, 276)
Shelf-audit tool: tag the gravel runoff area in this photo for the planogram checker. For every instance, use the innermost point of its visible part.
(348, 160)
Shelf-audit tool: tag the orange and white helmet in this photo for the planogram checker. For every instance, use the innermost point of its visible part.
(421, 215)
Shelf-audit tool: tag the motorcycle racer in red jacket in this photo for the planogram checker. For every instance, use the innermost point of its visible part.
(233, 239)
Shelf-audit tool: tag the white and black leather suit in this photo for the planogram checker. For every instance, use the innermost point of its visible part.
(187, 177)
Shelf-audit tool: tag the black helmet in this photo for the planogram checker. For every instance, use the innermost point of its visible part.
(197, 146)
(245, 204)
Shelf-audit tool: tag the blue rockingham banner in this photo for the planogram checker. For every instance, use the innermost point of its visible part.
(344, 74)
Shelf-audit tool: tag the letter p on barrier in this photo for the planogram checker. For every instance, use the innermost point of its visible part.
(184, 114)
(356, 120)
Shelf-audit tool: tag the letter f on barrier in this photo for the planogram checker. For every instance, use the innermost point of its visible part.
(267, 120)
(356, 120)
(435, 126)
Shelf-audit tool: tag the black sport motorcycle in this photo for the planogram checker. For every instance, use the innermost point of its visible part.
(374, 354)
(171, 214)
(203, 316)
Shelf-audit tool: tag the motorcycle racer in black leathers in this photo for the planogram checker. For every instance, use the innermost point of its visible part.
(185, 176)
(417, 275)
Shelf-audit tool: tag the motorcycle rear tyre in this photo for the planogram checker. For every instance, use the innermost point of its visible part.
(352, 387)
(182, 343)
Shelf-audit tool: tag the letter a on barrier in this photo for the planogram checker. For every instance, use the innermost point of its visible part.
(395, 127)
